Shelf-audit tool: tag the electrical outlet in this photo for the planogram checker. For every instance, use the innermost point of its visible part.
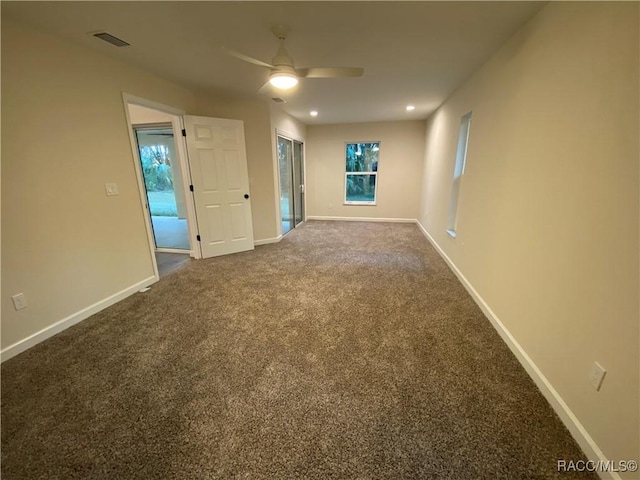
(19, 301)
(111, 188)
(597, 375)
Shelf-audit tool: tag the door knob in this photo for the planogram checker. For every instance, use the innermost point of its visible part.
(246, 195)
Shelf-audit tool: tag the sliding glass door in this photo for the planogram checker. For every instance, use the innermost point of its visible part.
(291, 169)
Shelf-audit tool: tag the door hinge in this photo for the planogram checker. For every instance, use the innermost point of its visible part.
(184, 132)
(198, 237)
(191, 188)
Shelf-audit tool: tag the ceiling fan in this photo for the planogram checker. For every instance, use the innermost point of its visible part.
(282, 72)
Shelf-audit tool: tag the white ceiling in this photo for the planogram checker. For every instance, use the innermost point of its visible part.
(412, 52)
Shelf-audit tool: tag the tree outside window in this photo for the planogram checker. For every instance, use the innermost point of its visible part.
(361, 173)
(156, 166)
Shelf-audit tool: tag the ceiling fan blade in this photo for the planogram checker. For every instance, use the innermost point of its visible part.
(330, 72)
(265, 89)
(246, 58)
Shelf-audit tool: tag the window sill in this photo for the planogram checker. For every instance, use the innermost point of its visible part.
(360, 203)
(452, 233)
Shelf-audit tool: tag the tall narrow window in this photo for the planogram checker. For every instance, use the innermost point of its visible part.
(361, 173)
(458, 172)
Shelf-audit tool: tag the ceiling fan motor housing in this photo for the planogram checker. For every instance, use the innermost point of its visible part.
(288, 69)
(283, 62)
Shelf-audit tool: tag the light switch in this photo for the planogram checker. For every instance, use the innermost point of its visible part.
(111, 188)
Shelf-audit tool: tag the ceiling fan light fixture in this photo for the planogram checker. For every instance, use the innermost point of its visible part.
(283, 80)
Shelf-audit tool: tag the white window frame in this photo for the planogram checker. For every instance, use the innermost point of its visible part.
(346, 174)
(458, 173)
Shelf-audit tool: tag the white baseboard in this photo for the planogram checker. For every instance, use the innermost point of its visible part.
(59, 326)
(363, 219)
(266, 241)
(579, 433)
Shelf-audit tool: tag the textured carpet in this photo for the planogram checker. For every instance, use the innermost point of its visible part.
(348, 350)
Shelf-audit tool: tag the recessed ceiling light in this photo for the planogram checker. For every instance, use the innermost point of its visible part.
(410, 108)
(313, 113)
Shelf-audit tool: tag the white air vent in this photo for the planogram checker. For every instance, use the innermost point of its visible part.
(279, 100)
(107, 37)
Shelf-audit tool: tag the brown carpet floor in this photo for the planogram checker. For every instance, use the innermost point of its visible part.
(348, 350)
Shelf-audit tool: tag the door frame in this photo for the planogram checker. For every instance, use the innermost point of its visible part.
(183, 163)
(293, 138)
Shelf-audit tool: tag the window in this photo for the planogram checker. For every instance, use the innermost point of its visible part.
(458, 172)
(361, 173)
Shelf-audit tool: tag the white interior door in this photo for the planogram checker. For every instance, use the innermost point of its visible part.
(218, 162)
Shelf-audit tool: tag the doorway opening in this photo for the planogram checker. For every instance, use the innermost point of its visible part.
(291, 174)
(163, 186)
(163, 173)
(191, 170)
(171, 262)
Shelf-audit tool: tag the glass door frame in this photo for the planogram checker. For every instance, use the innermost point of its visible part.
(298, 184)
(299, 199)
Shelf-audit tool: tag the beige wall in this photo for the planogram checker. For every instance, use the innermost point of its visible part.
(286, 124)
(548, 218)
(257, 124)
(66, 245)
(399, 170)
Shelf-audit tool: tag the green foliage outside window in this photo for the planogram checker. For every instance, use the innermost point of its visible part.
(156, 166)
(361, 168)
